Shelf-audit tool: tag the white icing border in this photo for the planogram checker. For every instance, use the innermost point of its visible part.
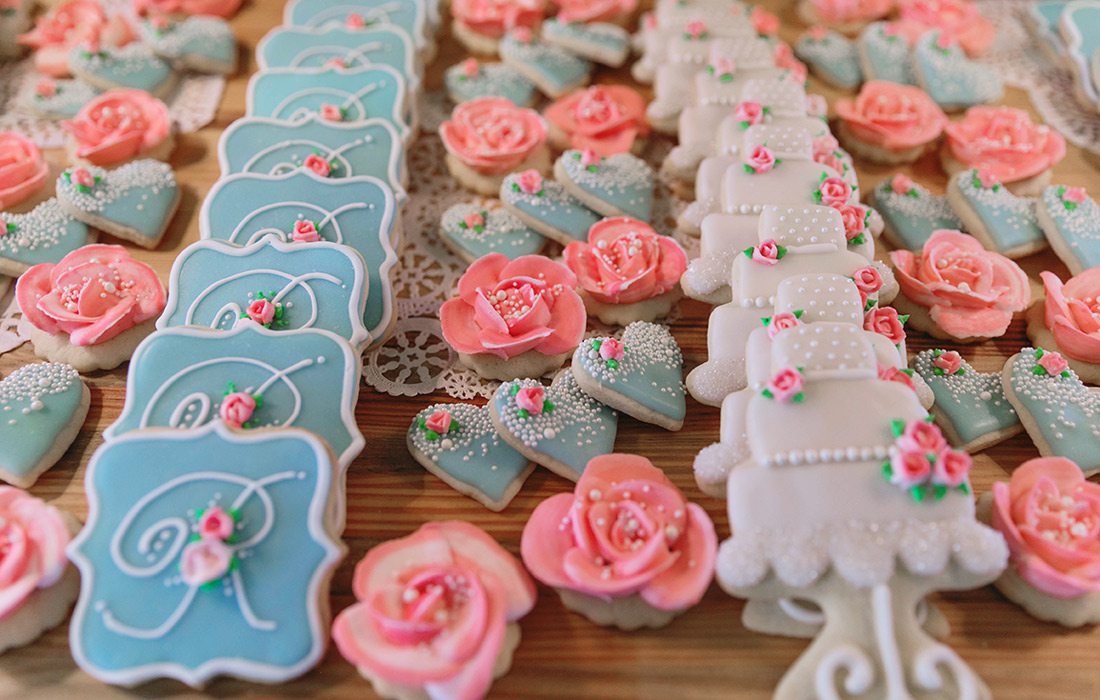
(1074, 55)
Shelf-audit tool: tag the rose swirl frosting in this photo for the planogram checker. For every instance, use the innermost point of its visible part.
(626, 261)
(492, 135)
(119, 125)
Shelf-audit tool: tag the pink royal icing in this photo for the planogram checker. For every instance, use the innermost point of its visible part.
(1005, 142)
(968, 290)
(892, 116)
(764, 23)
(846, 11)
(1072, 313)
(1050, 518)
(625, 530)
(34, 536)
(23, 169)
(885, 321)
(594, 10)
(216, 8)
(604, 118)
(492, 135)
(119, 125)
(93, 294)
(785, 386)
(60, 30)
(958, 18)
(626, 261)
(432, 610)
(494, 18)
(506, 308)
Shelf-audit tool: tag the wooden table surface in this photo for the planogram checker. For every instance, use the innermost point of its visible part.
(705, 653)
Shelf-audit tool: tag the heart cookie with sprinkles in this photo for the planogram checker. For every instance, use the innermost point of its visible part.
(458, 443)
(132, 66)
(999, 219)
(44, 235)
(560, 427)
(618, 185)
(42, 407)
(472, 79)
(545, 206)
(203, 44)
(950, 78)
(910, 212)
(135, 201)
(1070, 218)
(641, 375)
(970, 406)
(472, 231)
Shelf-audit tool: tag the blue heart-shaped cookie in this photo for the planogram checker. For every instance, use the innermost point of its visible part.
(471, 79)
(999, 219)
(618, 185)
(554, 71)
(42, 407)
(1071, 221)
(884, 54)
(970, 406)
(132, 66)
(832, 57)
(61, 99)
(911, 213)
(44, 235)
(950, 78)
(203, 44)
(472, 231)
(547, 207)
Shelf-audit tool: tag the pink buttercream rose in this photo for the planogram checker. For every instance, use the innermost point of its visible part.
(119, 125)
(909, 468)
(1053, 363)
(93, 294)
(833, 191)
(492, 135)
(854, 217)
(893, 116)
(261, 311)
(625, 530)
(237, 408)
(82, 177)
(785, 385)
(889, 373)
(475, 221)
(216, 524)
(763, 22)
(1004, 142)
(1076, 195)
(951, 468)
(1072, 313)
(901, 184)
(432, 610)
(305, 231)
(1050, 518)
(612, 349)
(949, 362)
(958, 18)
(216, 8)
(760, 160)
(530, 182)
(317, 165)
(23, 169)
(767, 253)
(439, 422)
(531, 399)
(868, 280)
(506, 308)
(594, 10)
(885, 321)
(695, 29)
(60, 30)
(748, 113)
(968, 290)
(851, 11)
(782, 322)
(205, 561)
(626, 261)
(603, 118)
(493, 18)
(34, 536)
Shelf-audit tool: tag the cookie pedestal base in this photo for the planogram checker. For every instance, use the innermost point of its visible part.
(628, 614)
(489, 185)
(108, 355)
(528, 364)
(1041, 336)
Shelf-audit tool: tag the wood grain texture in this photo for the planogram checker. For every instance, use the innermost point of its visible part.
(705, 653)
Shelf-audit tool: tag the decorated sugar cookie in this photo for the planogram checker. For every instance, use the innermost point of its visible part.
(361, 15)
(617, 12)
(23, 169)
(960, 18)
(44, 235)
(949, 77)
(215, 8)
(999, 219)
(57, 31)
(681, 33)
(607, 119)
(1077, 26)
(831, 57)
(341, 46)
(1070, 220)
(547, 207)
(203, 44)
(489, 137)
(722, 238)
(616, 585)
(472, 79)
(59, 98)
(970, 406)
(472, 231)
(135, 201)
(640, 374)
(42, 408)
(133, 66)
(215, 563)
(554, 71)
(599, 42)
(617, 185)
(910, 212)
(463, 594)
(91, 308)
(708, 191)
(458, 443)
(559, 427)
(279, 285)
(118, 126)
(889, 123)
(842, 15)
(479, 25)
(883, 49)
(1066, 321)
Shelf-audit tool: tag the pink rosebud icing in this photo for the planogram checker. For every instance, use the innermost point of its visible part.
(471, 68)
(767, 253)
(1076, 195)
(305, 231)
(432, 610)
(612, 349)
(261, 311)
(760, 160)
(625, 530)
(34, 536)
(82, 177)
(885, 321)
(1005, 142)
(626, 261)
(603, 118)
(893, 116)
(724, 66)
(782, 322)
(784, 58)
(833, 191)
(763, 22)
(1053, 363)
(317, 165)
(439, 422)
(696, 29)
(336, 62)
(45, 88)
(531, 399)
(868, 280)
(530, 181)
(1072, 313)
(951, 468)
(332, 113)
(215, 524)
(889, 373)
(921, 436)
(92, 294)
(854, 217)
(986, 178)
(949, 361)
(205, 561)
(473, 220)
(1050, 518)
(507, 308)
(910, 468)
(901, 184)
(960, 19)
(355, 20)
(589, 158)
(493, 18)
(237, 408)
(492, 135)
(216, 8)
(119, 125)
(968, 290)
(23, 169)
(785, 385)
(748, 113)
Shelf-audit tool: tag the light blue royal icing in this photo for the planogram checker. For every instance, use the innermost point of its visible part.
(1062, 409)
(1079, 24)
(132, 66)
(651, 373)
(316, 284)
(501, 233)
(1008, 219)
(912, 219)
(272, 147)
(973, 402)
(37, 402)
(199, 43)
(68, 98)
(833, 57)
(293, 94)
(577, 429)
(409, 15)
(140, 196)
(623, 181)
(470, 452)
(950, 78)
(1079, 228)
(554, 207)
(44, 235)
(1044, 17)
(357, 212)
(884, 57)
(137, 619)
(492, 80)
(553, 70)
(600, 42)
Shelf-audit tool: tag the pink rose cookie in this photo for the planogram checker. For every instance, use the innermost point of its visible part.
(23, 170)
(614, 11)
(60, 30)
(37, 585)
(845, 16)
(625, 549)
(956, 289)
(958, 18)
(1004, 142)
(92, 308)
(519, 318)
(1048, 515)
(215, 8)
(889, 123)
(119, 126)
(1068, 321)
(607, 119)
(437, 613)
(479, 24)
(627, 271)
(488, 138)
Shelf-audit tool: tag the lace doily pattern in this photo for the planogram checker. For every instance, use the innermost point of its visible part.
(12, 332)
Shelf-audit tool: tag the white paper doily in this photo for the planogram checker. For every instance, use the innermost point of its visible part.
(12, 332)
